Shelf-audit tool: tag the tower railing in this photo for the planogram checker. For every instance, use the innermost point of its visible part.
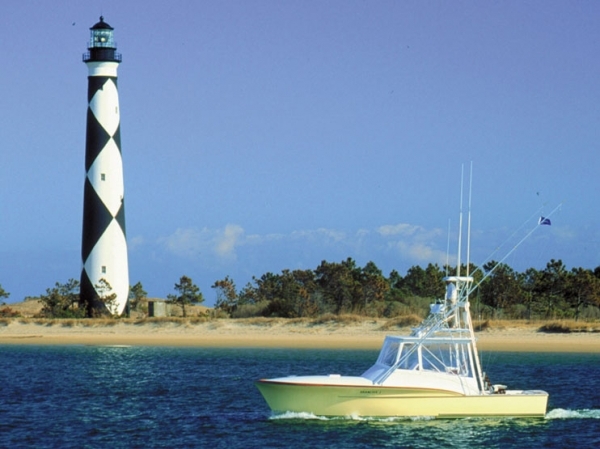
(102, 54)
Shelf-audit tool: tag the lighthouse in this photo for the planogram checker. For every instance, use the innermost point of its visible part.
(105, 275)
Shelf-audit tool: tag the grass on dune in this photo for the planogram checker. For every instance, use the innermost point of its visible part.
(329, 319)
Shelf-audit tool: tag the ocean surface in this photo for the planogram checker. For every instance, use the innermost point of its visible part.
(150, 397)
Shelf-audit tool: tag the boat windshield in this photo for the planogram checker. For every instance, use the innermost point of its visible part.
(389, 353)
(453, 357)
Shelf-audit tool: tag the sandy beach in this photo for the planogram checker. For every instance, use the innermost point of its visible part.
(271, 333)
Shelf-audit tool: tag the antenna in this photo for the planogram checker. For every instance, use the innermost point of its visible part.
(460, 220)
(469, 219)
(448, 249)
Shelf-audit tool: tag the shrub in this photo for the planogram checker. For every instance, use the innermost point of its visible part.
(403, 321)
(280, 308)
(566, 327)
(250, 310)
(7, 312)
(261, 321)
(395, 309)
(590, 313)
(330, 318)
(374, 309)
(61, 301)
(217, 314)
(555, 327)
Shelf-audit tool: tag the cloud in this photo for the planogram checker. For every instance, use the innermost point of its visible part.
(564, 232)
(135, 242)
(420, 252)
(321, 234)
(405, 242)
(257, 239)
(363, 233)
(187, 242)
(398, 229)
(200, 243)
(408, 232)
(414, 242)
(226, 241)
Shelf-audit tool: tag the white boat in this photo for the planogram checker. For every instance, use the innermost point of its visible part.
(433, 372)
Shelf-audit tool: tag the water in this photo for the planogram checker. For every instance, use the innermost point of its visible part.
(117, 397)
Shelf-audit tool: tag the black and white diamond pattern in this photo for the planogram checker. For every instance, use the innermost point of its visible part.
(104, 246)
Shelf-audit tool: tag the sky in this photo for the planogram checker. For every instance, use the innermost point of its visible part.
(259, 136)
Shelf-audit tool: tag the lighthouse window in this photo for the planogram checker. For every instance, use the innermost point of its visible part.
(103, 269)
(103, 177)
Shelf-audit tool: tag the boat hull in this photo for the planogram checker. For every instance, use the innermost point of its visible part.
(377, 401)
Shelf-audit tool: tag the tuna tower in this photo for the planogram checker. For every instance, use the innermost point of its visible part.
(103, 245)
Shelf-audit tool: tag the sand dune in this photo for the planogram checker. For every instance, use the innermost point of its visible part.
(272, 333)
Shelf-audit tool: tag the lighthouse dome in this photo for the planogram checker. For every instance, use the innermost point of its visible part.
(102, 25)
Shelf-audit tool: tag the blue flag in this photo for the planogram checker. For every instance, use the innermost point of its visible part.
(544, 221)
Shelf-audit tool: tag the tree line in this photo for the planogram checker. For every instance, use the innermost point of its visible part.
(347, 288)
(63, 300)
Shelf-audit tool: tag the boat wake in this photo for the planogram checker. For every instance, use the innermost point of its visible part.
(312, 416)
(301, 415)
(558, 413)
(561, 413)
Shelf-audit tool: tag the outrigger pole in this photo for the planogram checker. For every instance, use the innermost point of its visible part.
(513, 249)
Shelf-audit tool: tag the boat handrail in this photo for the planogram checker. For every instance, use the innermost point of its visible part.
(430, 340)
(464, 279)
